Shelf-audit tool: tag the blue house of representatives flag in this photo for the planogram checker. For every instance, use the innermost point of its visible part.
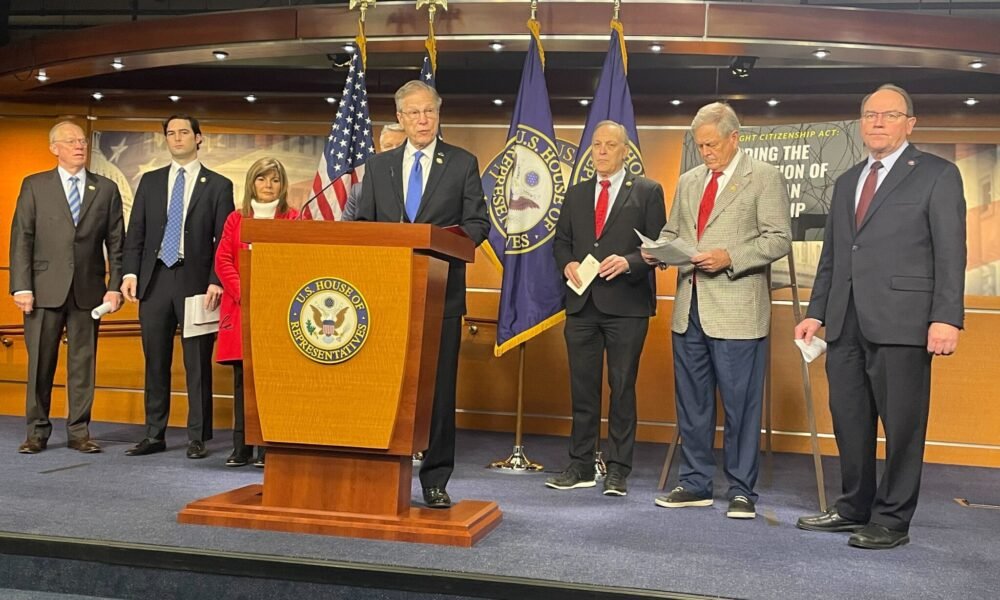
(524, 189)
(612, 101)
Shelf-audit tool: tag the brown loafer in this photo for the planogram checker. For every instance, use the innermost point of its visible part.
(32, 446)
(86, 445)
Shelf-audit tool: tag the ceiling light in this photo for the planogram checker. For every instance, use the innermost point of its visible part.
(250, 98)
(220, 54)
(821, 53)
(676, 102)
(42, 76)
(331, 100)
(970, 101)
(742, 65)
(174, 97)
(91, 117)
(584, 101)
(655, 48)
(498, 102)
(117, 64)
(496, 46)
(97, 96)
(773, 102)
(349, 48)
(977, 64)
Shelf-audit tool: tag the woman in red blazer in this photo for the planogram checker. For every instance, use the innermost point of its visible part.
(264, 197)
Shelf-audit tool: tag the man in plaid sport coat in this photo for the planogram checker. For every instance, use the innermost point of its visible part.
(734, 209)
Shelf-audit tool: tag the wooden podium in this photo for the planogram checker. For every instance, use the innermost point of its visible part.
(341, 327)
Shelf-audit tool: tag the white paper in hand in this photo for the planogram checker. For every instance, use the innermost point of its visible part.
(100, 311)
(811, 352)
(676, 252)
(587, 271)
(197, 320)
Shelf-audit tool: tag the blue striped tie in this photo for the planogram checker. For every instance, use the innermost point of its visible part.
(170, 249)
(74, 200)
(415, 187)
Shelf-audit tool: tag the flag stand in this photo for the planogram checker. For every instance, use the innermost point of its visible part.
(517, 462)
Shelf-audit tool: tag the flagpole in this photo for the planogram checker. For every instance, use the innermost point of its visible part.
(517, 462)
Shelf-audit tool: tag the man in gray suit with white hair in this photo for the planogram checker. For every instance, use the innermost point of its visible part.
(734, 210)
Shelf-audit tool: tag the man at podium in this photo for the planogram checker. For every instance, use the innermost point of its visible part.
(428, 181)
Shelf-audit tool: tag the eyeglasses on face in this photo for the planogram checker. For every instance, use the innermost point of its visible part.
(74, 142)
(889, 116)
(415, 114)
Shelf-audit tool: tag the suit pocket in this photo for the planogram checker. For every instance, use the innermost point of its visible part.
(40, 265)
(912, 284)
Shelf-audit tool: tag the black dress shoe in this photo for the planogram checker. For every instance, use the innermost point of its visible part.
(146, 446)
(196, 449)
(32, 446)
(878, 537)
(831, 520)
(238, 458)
(435, 497)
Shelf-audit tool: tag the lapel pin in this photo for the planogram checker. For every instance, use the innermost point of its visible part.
(203, 180)
(439, 160)
(628, 184)
(911, 162)
(91, 188)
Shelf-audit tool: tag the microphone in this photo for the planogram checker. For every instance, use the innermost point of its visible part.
(302, 211)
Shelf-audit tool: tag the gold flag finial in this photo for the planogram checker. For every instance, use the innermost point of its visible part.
(362, 5)
(618, 8)
(432, 6)
(534, 10)
(431, 42)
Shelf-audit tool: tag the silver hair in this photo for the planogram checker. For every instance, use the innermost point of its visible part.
(412, 87)
(621, 129)
(719, 114)
(55, 128)
(898, 90)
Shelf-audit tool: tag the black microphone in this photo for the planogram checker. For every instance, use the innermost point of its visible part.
(302, 211)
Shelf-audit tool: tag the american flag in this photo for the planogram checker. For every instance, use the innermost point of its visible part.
(347, 148)
(427, 72)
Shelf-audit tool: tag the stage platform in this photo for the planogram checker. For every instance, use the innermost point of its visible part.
(105, 526)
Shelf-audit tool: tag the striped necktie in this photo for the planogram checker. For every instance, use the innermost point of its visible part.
(74, 200)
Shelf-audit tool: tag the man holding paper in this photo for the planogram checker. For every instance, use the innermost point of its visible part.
(173, 232)
(734, 210)
(615, 295)
(64, 220)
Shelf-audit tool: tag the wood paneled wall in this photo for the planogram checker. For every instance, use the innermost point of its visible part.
(965, 419)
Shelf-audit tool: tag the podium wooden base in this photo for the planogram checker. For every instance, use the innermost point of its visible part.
(464, 524)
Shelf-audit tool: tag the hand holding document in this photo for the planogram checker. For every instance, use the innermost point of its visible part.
(811, 351)
(197, 319)
(587, 271)
(100, 311)
(675, 252)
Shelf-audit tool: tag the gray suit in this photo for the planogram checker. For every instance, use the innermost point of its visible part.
(63, 265)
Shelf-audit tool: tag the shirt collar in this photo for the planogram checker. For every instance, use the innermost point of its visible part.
(888, 161)
(616, 178)
(731, 167)
(189, 169)
(427, 151)
(64, 175)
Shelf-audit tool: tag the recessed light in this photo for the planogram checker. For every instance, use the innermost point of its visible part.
(970, 101)
(331, 100)
(584, 102)
(250, 98)
(220, 54)
(91, 117)
(174, 97)
(977, 64)
(821, 53)
(655, 48)
(117, 64)
(97, 95)
(498, 102)
(349, 48)
(773, 102)
(496, 46)
(676, 102)
(42, 76)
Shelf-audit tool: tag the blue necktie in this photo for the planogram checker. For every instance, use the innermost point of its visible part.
(415, 187)
(74, 200)
(170, 249)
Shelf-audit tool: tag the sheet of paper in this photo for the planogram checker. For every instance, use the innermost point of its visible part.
(811, 352)
(675, 252)
(197, 320)
(586, 272)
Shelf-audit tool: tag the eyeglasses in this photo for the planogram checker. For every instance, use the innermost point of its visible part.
(889, 116)
(415, 114)
(74, 142)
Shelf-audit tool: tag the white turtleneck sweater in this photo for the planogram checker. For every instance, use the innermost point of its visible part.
(263, 210)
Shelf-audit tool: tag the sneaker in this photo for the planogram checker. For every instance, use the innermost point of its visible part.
(741, 507)
(679, 498)
(615, 483)
(570, 479)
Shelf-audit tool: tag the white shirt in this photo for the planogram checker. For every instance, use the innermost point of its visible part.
(425, 164)
(81, 182)
(887, 163)
(727, 174)
(616, 185)
(191, 171)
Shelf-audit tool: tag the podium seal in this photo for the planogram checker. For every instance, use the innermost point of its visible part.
(328, 320)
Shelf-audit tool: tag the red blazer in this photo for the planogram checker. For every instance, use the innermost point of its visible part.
(227, 267)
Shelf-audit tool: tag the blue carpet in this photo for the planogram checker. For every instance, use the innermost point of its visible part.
(577, 536)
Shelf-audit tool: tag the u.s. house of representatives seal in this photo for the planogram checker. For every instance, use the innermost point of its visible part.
(328, 320)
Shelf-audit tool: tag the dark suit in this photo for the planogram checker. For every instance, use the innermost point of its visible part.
(162, 290)
(453, 195)
(610, 316)
(63, 265)
(877, 290)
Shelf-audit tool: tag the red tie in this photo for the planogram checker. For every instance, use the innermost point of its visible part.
(867, 193)
(601, 212)
(708, 202)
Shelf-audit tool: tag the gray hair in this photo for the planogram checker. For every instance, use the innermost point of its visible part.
(719, 114)
(57, 126)
(894, 88)
(412, 87)
(623, 133)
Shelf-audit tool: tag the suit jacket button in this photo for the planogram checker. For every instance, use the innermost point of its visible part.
(854, 247)
(596, 244)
